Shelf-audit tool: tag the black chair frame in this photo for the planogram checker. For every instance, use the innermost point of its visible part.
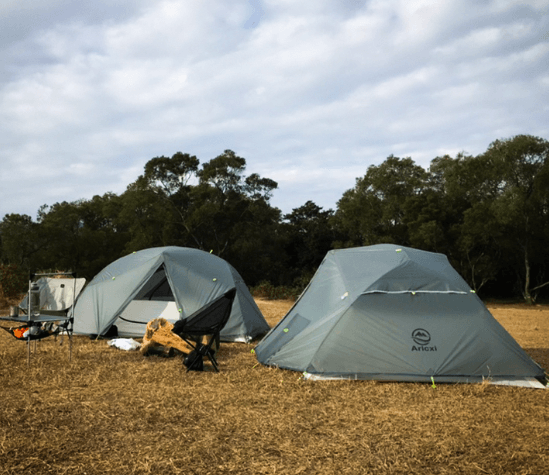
(208, 321)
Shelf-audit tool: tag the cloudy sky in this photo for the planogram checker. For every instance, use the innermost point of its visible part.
(309, 92)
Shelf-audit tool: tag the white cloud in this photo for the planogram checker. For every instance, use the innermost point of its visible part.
(310, 93)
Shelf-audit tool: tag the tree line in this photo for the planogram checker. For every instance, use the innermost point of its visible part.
(488, 213)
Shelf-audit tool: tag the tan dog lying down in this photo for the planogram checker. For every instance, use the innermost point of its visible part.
(159, 338)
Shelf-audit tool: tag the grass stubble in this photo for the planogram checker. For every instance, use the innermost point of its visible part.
(108, 411)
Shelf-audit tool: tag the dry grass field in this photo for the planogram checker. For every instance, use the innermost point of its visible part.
(109, 411)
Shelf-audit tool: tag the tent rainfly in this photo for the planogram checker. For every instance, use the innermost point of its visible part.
(393, 313)
(169, 282)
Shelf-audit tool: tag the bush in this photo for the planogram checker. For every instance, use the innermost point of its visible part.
(265, 290)
(13, 281)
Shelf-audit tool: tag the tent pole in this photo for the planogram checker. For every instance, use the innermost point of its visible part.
(71, 321)
(29, 309)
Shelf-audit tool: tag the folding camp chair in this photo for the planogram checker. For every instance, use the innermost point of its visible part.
(208, 321)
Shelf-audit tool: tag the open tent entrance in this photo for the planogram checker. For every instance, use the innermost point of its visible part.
(155, 299)
(157, 287)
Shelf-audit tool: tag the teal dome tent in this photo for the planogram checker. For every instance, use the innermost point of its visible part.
(393, 313)
(170, 282)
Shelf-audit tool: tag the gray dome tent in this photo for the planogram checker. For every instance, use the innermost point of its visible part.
(170, 282)
(392, 313)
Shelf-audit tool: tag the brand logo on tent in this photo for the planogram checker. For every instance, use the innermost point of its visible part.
(422, 338)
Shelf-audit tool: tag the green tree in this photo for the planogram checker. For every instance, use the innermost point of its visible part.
(215, 207)
(225, 199)
(309, 236)
(163, 202)
(82, 236)
(515, 200)
(149, 221)
(457, 186)
(374, 211)
(256, 249)
(20, 240)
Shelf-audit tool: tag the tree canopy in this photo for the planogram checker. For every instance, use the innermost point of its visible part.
(488, 213)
